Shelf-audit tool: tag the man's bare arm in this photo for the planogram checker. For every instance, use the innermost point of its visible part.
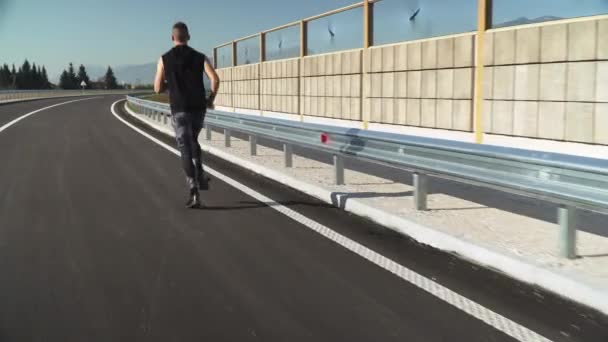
(159, 80)
(215, 81)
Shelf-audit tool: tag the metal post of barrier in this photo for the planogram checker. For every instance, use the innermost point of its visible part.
(253, 145)
(567, 223)
(339, 169)
(420, 191)
(288, 152)
(227, 137)
(208, 131)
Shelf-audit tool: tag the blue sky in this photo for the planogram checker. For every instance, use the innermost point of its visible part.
(114, 32)
(118, 32)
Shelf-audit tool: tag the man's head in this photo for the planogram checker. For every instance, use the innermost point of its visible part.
(180, 33)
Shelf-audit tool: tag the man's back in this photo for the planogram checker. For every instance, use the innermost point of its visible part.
(184, 68)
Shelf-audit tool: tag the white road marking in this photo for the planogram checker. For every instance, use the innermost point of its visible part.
(462, 303)
(40, 110)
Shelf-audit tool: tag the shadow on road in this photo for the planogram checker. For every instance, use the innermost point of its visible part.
(339, 199)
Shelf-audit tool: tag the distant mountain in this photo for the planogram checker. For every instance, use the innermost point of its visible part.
(136, 74)
(525, 20)
(95, 71)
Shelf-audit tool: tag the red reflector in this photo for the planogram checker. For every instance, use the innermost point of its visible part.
(324, 138)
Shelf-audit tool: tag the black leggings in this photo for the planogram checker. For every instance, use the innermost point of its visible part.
(187, 126)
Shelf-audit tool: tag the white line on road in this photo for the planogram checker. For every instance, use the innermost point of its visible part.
(470, 307)
(40, 110)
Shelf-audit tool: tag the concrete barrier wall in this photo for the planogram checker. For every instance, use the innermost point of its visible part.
(331, 85)
(224, 96)
(425, 83)
(246, 86)
(548, 81)
(279, 86)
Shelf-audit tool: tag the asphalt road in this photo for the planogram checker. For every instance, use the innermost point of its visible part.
(95, 245)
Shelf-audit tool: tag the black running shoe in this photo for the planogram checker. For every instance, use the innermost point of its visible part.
(195, 200)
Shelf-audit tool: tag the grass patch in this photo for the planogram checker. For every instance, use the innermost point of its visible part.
(164, 98)
(132, 107)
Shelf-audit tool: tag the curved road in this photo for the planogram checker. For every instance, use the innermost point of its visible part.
(95, 245)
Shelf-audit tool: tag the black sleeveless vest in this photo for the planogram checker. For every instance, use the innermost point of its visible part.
(184, 69)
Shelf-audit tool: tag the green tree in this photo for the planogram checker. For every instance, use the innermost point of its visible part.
(34, 77)
(24, 76)
(5, 77)
(64, 80)
(110, 79)
(73, 82)
(45, 79)
(82, 76)
(13, 78)
(68, 78)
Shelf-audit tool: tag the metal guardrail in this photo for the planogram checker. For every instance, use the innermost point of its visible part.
(571, 182)
(16, 95)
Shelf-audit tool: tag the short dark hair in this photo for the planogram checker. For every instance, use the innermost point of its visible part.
(180, 32)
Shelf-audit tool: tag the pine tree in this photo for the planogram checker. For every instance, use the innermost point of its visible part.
(64, 80)
(13, 78)
(82, 76)
(73, 82)
(44, 79)
(34, 77)
(24, 76)
(110, 79)
(5, 77)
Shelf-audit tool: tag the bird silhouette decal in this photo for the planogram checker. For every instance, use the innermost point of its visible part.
(280, 44)
(331, 33)
(413, 17)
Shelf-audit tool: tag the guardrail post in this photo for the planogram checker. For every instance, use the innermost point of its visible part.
(208, 131)
(567, 223)
(227, 137)
(420, 191)
(288, 151)
(253, 145)
(339, 169)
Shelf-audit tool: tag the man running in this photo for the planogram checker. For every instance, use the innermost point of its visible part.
(182, 69)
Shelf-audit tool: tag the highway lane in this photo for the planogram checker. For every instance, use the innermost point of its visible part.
(95, 245)
(11, 111)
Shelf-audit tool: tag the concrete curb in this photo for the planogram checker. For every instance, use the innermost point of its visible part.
(563, 285)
